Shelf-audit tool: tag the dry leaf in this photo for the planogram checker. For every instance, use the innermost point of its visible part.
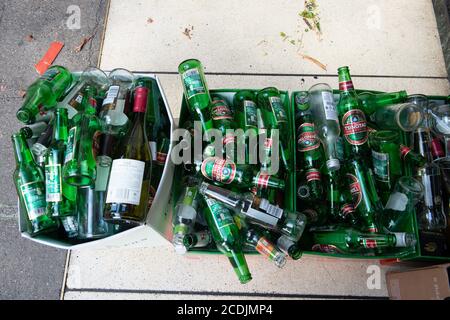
(187, 32)
(313, 60)
(22, 93)
(83, 43)
(29, 38)
(150, 20)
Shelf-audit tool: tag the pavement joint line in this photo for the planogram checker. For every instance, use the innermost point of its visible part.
(237, 294)
(66, 275)
(295, 75)
(102, 40)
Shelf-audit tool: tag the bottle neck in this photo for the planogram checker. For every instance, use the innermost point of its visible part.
(239, 264)
(21, 151)
(345, 80)
(60, 126)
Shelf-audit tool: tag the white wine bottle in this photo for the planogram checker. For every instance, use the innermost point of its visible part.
(129, 180)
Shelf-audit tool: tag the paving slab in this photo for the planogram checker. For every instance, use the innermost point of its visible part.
(380, 37)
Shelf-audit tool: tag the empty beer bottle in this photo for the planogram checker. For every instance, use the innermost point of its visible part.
(370, 102)
(238, 175)
(185, 215)
(353, 120)
(226, 236)
(343, 240)
(276, 118)
(200, 239)
(196, 92)
(310, 152)
(79, 161)
(385, 160)
(44, 93)
(57, 204)
(222, 120)
(30, 185)
(245, 116)
(264, 246)
(366, 202)
(39, 148)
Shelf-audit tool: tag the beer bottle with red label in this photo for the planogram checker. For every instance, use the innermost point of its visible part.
(352, 118)
(310, 152)
(222, 119)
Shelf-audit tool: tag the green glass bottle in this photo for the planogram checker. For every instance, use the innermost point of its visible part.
(366, 202)
(196, 92)
(256, 239)
(79, 162)
(333, 191)
(39, 148)
(275, 117)
(222, 119)
(289, 247)
(370, 102)
(226, 236)
(352, 118)
(347, 240)
(30, 185)
(310, 153)
(200, 239)
(245, 116)
(57, 204)
(386, 161)
(44, 92)
(238, 175)
(162, 150)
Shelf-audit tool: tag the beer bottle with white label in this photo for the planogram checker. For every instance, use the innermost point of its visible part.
(342, 240)
(352, 118)
(129, 180)
(112, 112)
(30, 184)
(323, 108)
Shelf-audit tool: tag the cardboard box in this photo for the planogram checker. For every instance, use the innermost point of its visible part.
(431, 283)
(159, 215)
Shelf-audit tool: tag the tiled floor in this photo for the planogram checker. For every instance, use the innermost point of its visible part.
(388, 46)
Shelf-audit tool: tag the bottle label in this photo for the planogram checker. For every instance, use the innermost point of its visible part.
(262, 180)
(355, 127)
(355, 190)
(193, 82)
(111, 96)
(222, 216)
(346, 85)
(277, 109)
(71, 142)
(347, 209)
(189, 196)
(329, 106)
(404, 150)
(70, 225)
(161, 158)
(75, 102)
(53, 183)
(312, 175)
(307, 139)
(369, 243)
(381, 165)
(50, 74)
(219, 170)
(33, 194)
(326, 248)
(125, 182)
(265, 248)
(250, 110)
(220, 111)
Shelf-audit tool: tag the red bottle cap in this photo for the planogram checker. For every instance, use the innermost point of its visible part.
(436, 148)
(140, 99)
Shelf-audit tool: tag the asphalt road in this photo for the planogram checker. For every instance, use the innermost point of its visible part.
(27, 27)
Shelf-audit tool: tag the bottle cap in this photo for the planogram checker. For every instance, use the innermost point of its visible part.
(333, 164)
(140, 99)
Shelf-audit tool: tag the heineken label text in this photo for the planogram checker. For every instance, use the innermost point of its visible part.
(355, 127)
(219, 170)
(307, 139)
